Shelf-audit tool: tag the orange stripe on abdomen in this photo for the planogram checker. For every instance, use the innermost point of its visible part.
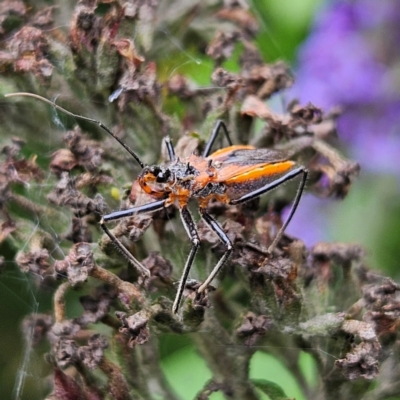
(255, 172)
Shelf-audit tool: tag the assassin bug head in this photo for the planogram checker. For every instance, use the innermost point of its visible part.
(162, 176)
(233, 175)
(155, 180)
(155, 173)
(174, 179)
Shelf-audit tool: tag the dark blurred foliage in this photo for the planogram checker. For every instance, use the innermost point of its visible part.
(95, 328)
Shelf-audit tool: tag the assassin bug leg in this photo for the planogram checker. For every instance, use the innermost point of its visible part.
(216, 130)
(214, 225)
(252, 195)
(191, 230)
(247, 197)
(146, 208)
(170, 149)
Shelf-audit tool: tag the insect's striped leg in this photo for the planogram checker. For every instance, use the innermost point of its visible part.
(191, 230)
(150, 207)
(272, 185)
(170, 148)
(293, 209)
(219, 125)
(214, 225)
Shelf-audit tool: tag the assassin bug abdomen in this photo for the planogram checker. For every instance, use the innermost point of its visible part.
(232, 175)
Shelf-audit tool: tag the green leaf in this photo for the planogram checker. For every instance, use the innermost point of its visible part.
(272, 389)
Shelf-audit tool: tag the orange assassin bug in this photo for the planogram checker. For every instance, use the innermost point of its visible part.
(232, 175)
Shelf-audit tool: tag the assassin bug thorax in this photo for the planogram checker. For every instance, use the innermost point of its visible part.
(232, 175)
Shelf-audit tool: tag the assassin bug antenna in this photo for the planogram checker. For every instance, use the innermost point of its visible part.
(232, 175)
(77, 116)
(117, 243)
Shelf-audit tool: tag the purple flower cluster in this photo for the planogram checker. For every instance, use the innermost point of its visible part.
(352, 59)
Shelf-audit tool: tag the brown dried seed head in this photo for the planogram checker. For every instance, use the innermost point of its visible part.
(65, 352)
(35, 261)
(135, 327)
(92, 354)
(78, 264)
(253, 327)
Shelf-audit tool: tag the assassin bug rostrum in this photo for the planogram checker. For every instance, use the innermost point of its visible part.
(232, 175)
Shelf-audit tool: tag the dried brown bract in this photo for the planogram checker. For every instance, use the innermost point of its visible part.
(263, 80)
(339, 253)
(92, 354)
(95, 308)
(30, 51)
(85, 28)
(305, 115)
(382, 300)
(11, 9)
(88, 153)
(66, 194)
(222, 46)
(6, 228)
(198, 301)
(254, 327)
(242, 17)
(44, 18)
(62, 160)
(36, 262)
(229, 81)
(77, 265)
(66, 352)
(362, 361)
(79, 231)
(38, 327)
(160, 270)
(135, 327)
(327, 257)
(17, 169)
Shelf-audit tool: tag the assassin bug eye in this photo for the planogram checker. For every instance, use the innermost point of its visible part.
(162, 177)
(155, 171)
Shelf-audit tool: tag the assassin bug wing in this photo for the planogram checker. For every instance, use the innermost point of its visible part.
(248, 155)
(228, 152)
(244, 169)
